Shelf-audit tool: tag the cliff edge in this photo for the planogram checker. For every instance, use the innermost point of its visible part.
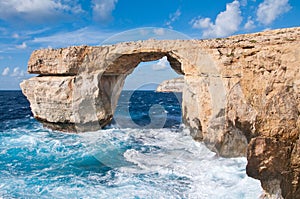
(241, 95)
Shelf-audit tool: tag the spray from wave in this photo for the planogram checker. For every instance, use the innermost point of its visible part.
(112, 163)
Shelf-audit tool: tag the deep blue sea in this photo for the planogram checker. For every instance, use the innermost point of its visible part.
(145, 153)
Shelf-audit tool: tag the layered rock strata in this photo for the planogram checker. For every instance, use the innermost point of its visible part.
(241, 95)
(173, 85)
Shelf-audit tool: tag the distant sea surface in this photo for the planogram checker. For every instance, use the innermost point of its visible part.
(145, 153)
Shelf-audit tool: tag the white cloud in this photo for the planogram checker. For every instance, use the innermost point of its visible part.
(22, 46)
(159, 31)
(172, 18)
(249, 24)
(17, 72)
(162, 64)
(202, 23)
(5, 71)
(81, 36)
(102, 9)
(36, 10)
(226, 23)
(269, 10)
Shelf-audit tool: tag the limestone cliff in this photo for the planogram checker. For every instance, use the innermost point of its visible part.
(172, 85)
(241, 95)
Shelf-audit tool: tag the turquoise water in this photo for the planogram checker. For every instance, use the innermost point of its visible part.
(118, 162)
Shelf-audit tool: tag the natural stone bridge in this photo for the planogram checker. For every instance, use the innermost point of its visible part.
(241, 95)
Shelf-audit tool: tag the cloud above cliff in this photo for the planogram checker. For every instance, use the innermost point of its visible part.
(102, 9)
(36, 10)
(250, 24)
(16, 72)
(226, 22)
(269, 10)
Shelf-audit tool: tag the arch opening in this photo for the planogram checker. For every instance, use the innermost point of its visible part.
(129, 84)
(126, 63)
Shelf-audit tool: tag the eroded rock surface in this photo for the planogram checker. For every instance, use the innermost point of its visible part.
(241, 95)
(172, 85)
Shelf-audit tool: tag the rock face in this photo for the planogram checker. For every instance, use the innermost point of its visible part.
(241, 95)
(173, 85)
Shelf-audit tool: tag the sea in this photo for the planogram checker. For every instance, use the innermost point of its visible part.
(146, 152)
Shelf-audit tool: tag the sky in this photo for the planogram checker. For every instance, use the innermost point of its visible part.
(26, 25)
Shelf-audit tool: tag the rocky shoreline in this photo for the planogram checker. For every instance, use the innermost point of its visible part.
(241, 95)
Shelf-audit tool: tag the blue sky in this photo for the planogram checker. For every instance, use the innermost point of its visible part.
(26, 25)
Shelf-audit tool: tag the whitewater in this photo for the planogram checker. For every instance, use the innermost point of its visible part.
(117, 162)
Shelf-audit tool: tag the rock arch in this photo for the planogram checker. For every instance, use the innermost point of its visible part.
(98, 73)
(112, 80)
(241, 94)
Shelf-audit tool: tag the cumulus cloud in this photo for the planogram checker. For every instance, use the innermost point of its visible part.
(17, 72)
(249, 24)
(22, 46)
(202, 23)
(269, 10)
(226, 23)
(172, 18)
(36, 10)
(5, 71)
(162, 64)
(102, 9)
